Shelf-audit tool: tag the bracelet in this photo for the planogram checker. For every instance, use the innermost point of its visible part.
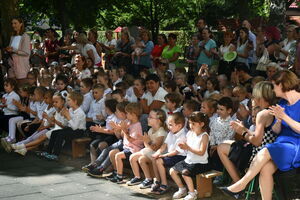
(244, 134)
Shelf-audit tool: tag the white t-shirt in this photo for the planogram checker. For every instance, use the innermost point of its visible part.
(194, 141)
(207, 94)
(84, 49)
(173, 140)
(153, 136)
(10, 108)
(159, 96)
(87, 100)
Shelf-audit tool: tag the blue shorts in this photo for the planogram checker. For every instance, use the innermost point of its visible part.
(171, 161)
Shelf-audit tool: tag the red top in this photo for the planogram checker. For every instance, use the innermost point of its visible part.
(157, 50)
(50, 46)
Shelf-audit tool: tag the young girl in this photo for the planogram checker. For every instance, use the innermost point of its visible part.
(96, 168)
(24, 93)
(196, 161)
(81, 71)
(209, 107)
(75, 128)
(58, 121)
(8, 107)
(152, 142)
(61, 85)
(132, 141)
(44, 127)
(212, 87)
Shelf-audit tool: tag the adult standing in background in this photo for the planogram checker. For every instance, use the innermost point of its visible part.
(252, 55)
(19, 50)
(158, 48)
(93, 38)
(51, 46)
(109, 48)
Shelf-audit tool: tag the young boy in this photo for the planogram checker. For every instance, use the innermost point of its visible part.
(114, 77)
(132, 141)
(188, 108)
(118, 95)
(220, 129)
(94, 115)
(182, 85)
(173, 102)
(75, 129)
(86, 85)
(161, 161)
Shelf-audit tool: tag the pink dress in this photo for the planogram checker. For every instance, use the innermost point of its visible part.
(19, 61)
(135, 131)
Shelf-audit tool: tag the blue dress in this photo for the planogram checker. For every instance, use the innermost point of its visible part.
(285, 151)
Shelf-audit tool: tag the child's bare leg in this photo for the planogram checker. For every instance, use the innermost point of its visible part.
(176, 178)
(134, 164)
(145, 164)
(155, 169)
(119, 157)
(112, 155)
(162, 171)
(189, 182)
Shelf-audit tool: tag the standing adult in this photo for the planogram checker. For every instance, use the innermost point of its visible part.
(109, 48)
(284, 153)
(201, 24)
(243, 46)
(288, 48)
(172, 51)
(252, 40)
(51, 45)
(93, 38)
(158, 49)
(19, 50)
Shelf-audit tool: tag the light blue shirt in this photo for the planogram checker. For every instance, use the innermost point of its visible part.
(146, 60)
(203, 59)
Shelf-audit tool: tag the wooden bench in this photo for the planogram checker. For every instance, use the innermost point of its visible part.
(79, 147)
(204, 183)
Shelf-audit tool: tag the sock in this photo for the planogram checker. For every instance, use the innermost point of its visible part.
(119, 175)
(182, 189)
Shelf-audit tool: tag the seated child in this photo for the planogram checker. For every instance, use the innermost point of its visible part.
(132, 141)
(169, 153)
(86, 85)
(75, 128)
(196, 161)
(173, 103)
(152, 142)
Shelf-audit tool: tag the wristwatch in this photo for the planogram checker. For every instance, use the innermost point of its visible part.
(244, 134)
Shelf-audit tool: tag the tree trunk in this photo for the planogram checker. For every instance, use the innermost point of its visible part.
(277, 14)
(8, 9)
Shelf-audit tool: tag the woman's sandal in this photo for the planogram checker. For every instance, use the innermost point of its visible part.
(162, 189)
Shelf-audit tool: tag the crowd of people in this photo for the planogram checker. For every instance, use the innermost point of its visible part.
(232, 104)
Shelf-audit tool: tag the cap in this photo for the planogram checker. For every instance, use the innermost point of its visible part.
(229, 56)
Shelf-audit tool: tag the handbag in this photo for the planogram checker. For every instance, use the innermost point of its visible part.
(263, 61)
(240, 153)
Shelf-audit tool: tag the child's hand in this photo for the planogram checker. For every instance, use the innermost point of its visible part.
(146, 138)
(163, 155)
(156, 155)
(124, 125)
(183, 146)
(65, 112)
(44, 115)
(26, 128)
(96, 128)
(16, 103)
(3, 101)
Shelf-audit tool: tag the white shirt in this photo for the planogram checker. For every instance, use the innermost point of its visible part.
(159, 96)
(84, 49)
(40, 108)
(111, 118)
(107, 91)
(50, 112)
(130, 96)
(10, 108)
(95, 109)
(287, 46)
(86, 73)
(172, 141)
(116, 82)
(77, 119)
(87, 100)
(194, 141)
(61, 119)
(207, 94)
(32, 106)
(220, 130)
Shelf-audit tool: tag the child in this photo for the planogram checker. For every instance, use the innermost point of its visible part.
(227, 91)
(240, 92)
(138, 48)
(58, 122)
(122, 71)
(209, 107)
(212, 87)
(152, 142)
(75, 128)
(169, 153)
(37, 57)
(188, 108)
(118, 95)
(104, 136)
(32, 78)
(61, 84)
(86, 85)
(97, 168)
(221, 129)
(103, 79)
(45, 125)
(97, 107)
(196, 161)
(183, 87)
(170, 86)
(173, 103)
(132, 141)
(114, 77)
(9, 109)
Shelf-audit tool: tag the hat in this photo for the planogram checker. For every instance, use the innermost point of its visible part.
(54, 63)
(229, 56)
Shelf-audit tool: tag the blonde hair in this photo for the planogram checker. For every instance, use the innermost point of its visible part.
(82, 39)
(134, 108)
(264, 90)
(76, 96)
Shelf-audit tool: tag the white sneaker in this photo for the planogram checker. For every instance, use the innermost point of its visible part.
(21, 151)
(191, 196)
(18, 146)
(180, 193)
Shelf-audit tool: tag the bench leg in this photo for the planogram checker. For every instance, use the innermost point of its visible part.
(204, 186)
(78, 149)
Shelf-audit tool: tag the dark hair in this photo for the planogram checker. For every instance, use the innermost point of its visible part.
(287, 78)
(174, 98)
(173, 36)
(171, 84)
(118, 91)
(200, 117)
(164, 38)
(63, 78)
(192, 105)
(87, 82)
(123, 86)
(153, 77)
(178, 118)
(121, 106)
(242, 67)
(247, 33)
(50, 92)
(12, 82)
(111, 104)
(98, 86)
(20, 20)
(226, 102)
(214, 81)
(40, 89)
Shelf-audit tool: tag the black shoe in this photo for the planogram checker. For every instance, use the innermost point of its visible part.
(146, 184)
(88, 168)
(113, 174)
(235, 195)
(117, 179)
(96, 172)
(134, 181)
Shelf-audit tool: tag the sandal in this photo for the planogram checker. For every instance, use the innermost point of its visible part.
(155, 186)
(162, 189)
